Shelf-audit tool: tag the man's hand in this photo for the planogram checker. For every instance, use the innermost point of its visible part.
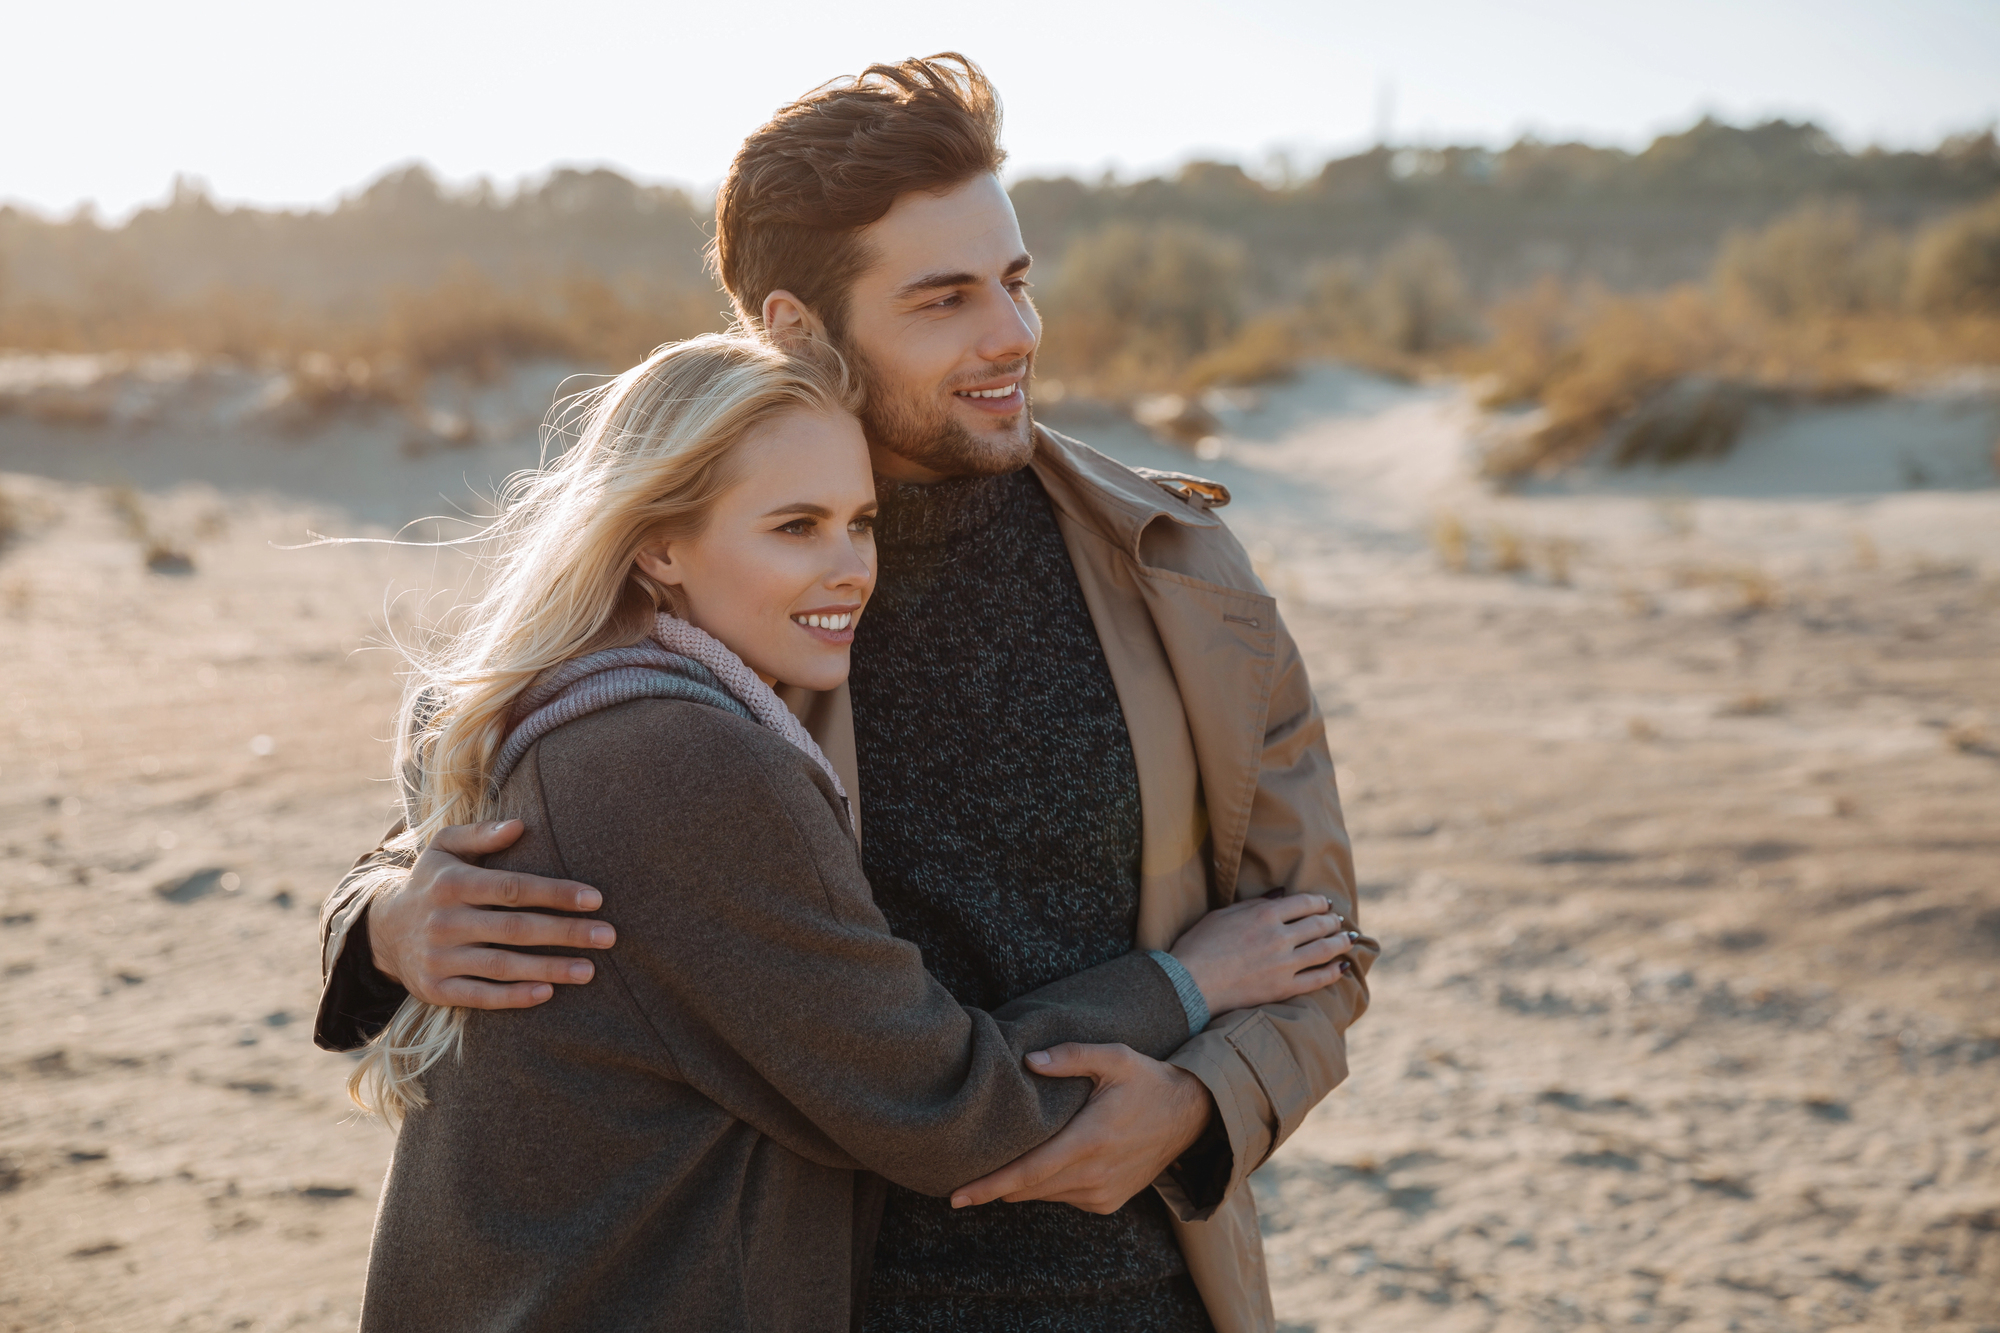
(434, 932)
(1142, 1117)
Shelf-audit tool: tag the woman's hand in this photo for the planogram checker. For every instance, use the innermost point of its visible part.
(1265, 950)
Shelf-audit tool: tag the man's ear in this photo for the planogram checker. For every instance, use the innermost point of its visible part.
(657, 564)
(786, 318)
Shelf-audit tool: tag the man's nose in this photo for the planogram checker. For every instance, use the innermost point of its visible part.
(1010, 332)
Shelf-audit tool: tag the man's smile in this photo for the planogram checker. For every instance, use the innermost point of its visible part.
(1001, 398)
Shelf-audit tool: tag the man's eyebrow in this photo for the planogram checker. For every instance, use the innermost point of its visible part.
(800, 507)
(942, 280)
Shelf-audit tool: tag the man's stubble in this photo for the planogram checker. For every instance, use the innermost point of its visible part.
(915, 427)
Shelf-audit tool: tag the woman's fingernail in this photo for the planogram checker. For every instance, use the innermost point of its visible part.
(602, 936)
(579, 971)
(589, 900)
(961, 1200)
(1353, 934)
(541, 990)
(1345, 967)
(1038, 1058)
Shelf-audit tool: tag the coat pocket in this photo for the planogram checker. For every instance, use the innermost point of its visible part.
(1286, 1095)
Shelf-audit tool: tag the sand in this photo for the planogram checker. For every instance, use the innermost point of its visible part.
(1676, 801)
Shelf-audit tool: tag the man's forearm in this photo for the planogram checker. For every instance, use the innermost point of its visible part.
(355, 999)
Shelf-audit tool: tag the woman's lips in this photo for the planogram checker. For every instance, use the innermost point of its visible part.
(834, 627)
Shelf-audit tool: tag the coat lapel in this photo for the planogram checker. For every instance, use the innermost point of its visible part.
(1210, 618)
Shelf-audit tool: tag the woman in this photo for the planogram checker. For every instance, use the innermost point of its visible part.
(689, 1142)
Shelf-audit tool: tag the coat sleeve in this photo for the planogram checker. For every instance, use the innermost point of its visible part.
(752, 945)
(1267, 1067)
(355, 1000)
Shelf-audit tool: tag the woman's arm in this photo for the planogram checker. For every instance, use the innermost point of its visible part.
(750, 941)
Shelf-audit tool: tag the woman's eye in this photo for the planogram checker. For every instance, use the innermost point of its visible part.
(798, 527)
(862, 524)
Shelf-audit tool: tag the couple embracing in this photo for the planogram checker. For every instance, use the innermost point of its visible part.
(926, 897)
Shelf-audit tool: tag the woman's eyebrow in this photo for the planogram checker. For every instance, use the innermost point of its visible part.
(800, 507)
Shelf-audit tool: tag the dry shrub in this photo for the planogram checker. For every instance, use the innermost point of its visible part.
(1614, 355)
(1409, 305)
(1811, 308)
(1452, 543)
(129, 508)
(1817, 260)
(379, 351)
(1417, 302)
(1265, 350)
(1132, 308)
(1532, 340)
(1955, 267)
(1697, 417)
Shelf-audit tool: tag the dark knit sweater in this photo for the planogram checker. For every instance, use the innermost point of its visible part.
(1001, 834)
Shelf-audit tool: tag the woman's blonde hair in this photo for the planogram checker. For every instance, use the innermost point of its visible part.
(654, 449)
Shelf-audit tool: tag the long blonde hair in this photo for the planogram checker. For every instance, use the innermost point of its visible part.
(654, 449)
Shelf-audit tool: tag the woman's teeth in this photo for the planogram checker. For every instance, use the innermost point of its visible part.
(1004, 392)
(841, 621)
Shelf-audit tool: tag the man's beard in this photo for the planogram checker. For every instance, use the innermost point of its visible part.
(915, 427)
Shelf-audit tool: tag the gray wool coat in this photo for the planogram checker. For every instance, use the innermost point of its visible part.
(694, 1140)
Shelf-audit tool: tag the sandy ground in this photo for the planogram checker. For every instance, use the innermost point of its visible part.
(1676, 801)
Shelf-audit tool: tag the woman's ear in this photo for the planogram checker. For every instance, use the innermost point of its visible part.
(657, 564)
(786, 319)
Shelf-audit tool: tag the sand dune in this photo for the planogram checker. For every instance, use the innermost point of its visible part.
(1674, 800)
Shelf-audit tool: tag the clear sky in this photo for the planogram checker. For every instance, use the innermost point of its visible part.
(293, 104)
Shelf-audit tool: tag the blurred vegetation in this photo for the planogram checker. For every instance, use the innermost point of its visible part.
(1651, 299)
(366, 303)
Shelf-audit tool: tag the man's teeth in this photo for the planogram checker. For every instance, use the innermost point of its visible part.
(841, 621)
(1004, 392)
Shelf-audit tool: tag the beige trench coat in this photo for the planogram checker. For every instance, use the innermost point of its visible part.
(1237, 795)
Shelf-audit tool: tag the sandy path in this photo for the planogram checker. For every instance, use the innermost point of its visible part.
(1686, 872)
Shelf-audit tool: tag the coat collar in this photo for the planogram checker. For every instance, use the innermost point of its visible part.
(1116, 501)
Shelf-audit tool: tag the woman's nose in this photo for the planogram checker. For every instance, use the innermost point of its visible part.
(853, 569)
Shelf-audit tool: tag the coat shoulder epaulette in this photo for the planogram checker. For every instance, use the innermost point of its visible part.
(1197, 491)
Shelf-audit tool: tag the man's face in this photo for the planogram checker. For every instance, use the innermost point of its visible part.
(943, 333)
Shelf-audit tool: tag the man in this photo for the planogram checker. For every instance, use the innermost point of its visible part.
(1074, 723)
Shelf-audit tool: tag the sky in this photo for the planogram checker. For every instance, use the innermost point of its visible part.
(280, 104)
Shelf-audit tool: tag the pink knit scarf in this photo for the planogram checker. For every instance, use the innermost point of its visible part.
(678, 636)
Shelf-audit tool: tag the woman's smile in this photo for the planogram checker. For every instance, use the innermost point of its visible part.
(830, 624)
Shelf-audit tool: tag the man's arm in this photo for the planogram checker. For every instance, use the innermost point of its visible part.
(393, 928)
(1264, 1068)
(1267, 1067)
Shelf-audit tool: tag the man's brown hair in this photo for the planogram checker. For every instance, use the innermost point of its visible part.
(789, 212)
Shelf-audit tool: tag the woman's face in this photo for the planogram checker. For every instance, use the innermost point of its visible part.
(787, 561)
